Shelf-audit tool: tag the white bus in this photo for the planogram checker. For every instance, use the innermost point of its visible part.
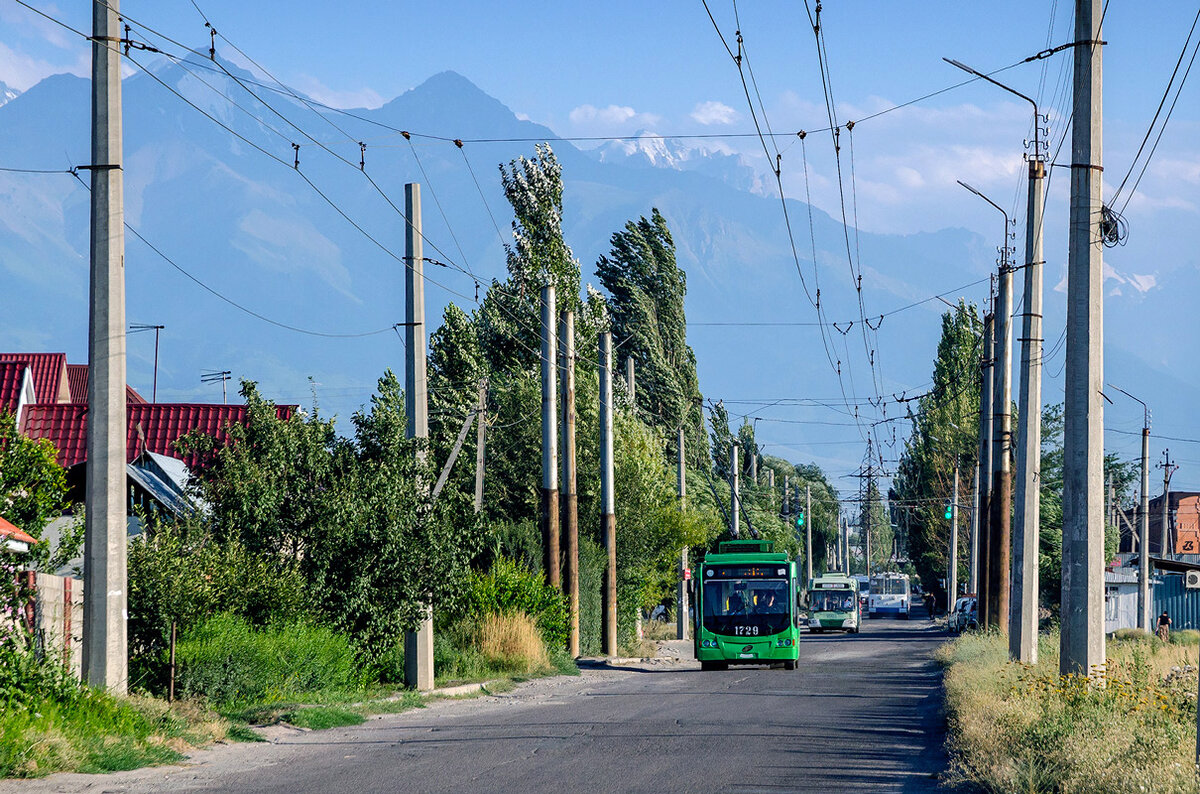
(890, 595)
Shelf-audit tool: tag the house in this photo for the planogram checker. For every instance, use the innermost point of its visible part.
(1182, 521)
(13, 539)
(58, 412)
(16, 387)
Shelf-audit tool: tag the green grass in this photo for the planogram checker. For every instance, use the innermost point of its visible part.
(1017, 727)
(319, 718)
(100, 733)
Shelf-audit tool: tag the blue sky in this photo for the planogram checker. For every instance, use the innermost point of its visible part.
(621, 67)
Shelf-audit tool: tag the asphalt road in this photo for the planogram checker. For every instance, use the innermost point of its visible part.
(861, 713)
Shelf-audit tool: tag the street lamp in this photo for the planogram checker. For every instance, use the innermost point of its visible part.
(1143, 519)
(1004, 239)
(1036, 116)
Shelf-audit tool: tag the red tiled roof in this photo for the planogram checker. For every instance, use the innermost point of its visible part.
(49, 369)
(162, 424)
(12, 378)
(77, 377)
(7, 530)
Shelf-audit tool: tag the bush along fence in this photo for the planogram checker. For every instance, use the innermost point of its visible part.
(50, 609)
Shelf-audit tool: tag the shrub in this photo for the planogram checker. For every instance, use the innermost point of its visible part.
(509, 588)
(179, 572)
(512, 641)
(231, 663)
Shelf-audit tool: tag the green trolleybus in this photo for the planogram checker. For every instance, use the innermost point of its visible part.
(746, 610)
(833, 603)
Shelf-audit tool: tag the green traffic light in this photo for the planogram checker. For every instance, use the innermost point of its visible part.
(947, 512)
(800, 520)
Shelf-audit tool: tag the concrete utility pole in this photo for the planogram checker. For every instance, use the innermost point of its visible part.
(630, 381)
(480, 443)
(973, 563)
(418, 645)
(570, 483)
(735, 496)
(808, 547)
(1082, 638)
(105, 646)
(608, 522)
(952, 573)
(753, 469)
(1144, 533)
(681, 602)
(771, 479)
(549, 511)
(1023, 624)
(985, 464)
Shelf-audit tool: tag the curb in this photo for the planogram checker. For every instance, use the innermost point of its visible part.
(462, 689)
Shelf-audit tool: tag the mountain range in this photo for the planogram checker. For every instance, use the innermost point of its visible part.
(241, 213)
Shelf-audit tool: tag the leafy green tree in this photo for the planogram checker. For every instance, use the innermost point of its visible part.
(873, 518)
(390, 552)
(646, 298)
(945, 431)
(267, 487)
(33, 487)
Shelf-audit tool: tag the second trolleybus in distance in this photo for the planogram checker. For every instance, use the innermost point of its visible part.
(746, 610)
(833, 604)
(890, 595)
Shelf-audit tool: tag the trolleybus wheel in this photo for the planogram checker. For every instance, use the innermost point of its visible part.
(714, 665)
(789, 665)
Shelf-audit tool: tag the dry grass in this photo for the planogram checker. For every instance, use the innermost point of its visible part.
(1025, 728)
(658, 629)
(512, 641)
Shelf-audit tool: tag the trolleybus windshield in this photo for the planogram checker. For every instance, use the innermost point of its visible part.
(832, 600)
(746, 607)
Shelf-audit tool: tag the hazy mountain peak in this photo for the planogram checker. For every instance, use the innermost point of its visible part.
(7, 94)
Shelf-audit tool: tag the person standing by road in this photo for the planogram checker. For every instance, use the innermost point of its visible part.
(1164, 627)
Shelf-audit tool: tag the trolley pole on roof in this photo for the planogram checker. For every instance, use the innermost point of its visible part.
(105, 645)
(418, 645)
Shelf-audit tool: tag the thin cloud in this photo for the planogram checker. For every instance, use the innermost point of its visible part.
(713, 112)
(612, 116)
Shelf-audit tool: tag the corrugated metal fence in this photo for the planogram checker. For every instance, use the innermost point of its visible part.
(1181, 604)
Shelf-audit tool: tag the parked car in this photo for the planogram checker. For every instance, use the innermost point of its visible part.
(965, 615)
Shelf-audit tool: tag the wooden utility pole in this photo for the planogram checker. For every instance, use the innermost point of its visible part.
(418, 645)
(1023, 624)
(570, 484)
(549, 511)
(1082, 637)
(681, 602)
(1164, 532)
(1000, 549)
(985, 464)
(608, 527)
(105, 646)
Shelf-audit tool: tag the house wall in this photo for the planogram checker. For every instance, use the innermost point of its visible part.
(55, 615)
